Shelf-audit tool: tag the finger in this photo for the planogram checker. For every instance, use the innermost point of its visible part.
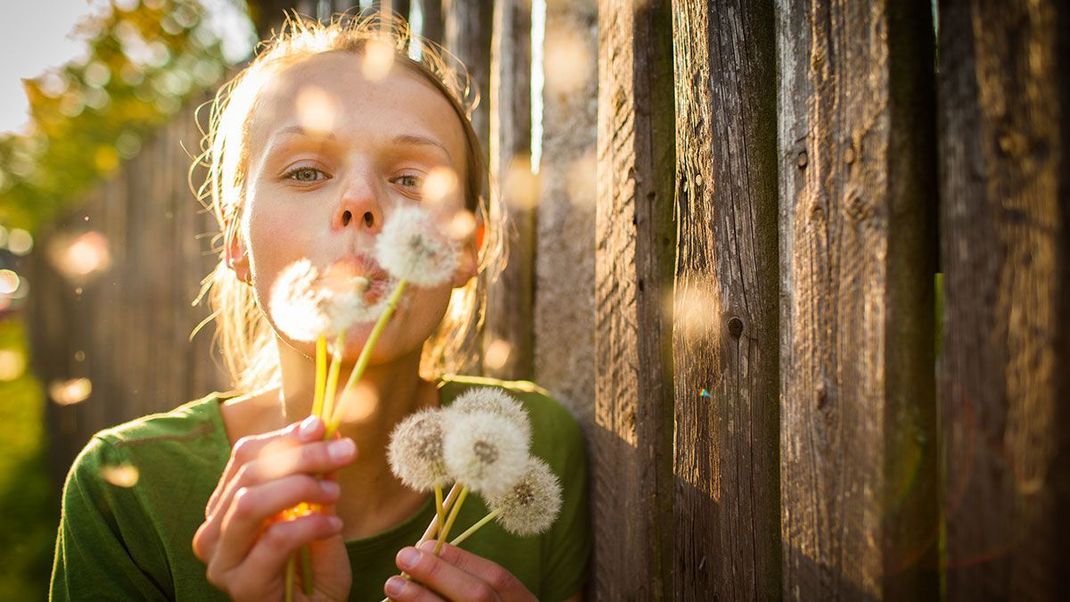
(402, 590)
(308, 458)
(271, 552)
(249, 448)
(494, 574)
(441, 577)
(244, 521)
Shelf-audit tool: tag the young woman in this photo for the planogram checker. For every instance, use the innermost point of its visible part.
(311, 148)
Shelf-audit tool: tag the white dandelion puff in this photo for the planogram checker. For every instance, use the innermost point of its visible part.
(297, 303)
(495, 401)
(306, 304)
(532, 504)
(484, 451)
(412, 247)
(415, 452)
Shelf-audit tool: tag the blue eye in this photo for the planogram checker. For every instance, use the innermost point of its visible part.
(305, 175)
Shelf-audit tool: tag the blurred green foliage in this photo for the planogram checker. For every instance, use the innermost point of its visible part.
(29, 499)
(144, 60)
(86, 117)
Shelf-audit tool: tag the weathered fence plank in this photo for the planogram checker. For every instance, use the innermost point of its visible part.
(632, 434)
(128, 328)
(725, 338)
(1005, 183)
(467, 35)
(565, 213)
(508, 330)
(857, 248)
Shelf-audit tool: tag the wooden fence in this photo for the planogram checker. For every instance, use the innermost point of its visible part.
(729, 275)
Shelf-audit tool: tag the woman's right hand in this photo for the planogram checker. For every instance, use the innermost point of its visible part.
(245, 550)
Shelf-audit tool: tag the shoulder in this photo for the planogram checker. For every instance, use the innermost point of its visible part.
(149, 452)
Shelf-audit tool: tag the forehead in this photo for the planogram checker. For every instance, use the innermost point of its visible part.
(357, 107)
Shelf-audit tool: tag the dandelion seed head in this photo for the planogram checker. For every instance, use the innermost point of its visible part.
(495, 401)
(485, 451)
(533, 503)
(306, 303)
(411, 247)
(415, 452)
(297, 303)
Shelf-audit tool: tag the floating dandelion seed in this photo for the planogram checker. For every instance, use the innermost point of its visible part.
(415, 452)
(120, 475)
(532, 504)
(439, 184)
(485, 451)
(378, 58)
(316, 109)
(70, 392)
(412, 248)
(495, 401)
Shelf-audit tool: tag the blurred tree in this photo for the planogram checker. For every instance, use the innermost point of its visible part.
(143, 60)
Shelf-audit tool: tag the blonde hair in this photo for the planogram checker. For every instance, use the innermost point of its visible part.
(244, 336)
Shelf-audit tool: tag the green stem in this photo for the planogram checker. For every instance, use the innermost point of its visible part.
(321, 375)
(445, 531)
(306, 569)
(332, 377)
(471, 530)
(365, 355)
(290, 567)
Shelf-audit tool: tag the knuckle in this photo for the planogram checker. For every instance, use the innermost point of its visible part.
(482, 592)
(499, 579)
(277, 536)
(243, 449)
(244, 503)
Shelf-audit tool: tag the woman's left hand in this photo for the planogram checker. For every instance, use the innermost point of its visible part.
(455, 574)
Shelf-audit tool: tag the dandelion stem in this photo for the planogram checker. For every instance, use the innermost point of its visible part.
(438, 501)
(432, 527)
(483, 521)
(290, 568)
(332, 377)
(321, 375)
(449, 522)
(306, 570)
(365, 355)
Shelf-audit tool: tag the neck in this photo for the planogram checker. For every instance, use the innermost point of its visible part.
(385, 395)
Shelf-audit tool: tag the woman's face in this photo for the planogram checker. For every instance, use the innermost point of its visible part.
(331, 156)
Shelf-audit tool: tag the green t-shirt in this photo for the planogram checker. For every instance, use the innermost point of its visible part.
(135, 543)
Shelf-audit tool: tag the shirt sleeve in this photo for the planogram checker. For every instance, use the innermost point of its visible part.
(105, 544)
(567, 547)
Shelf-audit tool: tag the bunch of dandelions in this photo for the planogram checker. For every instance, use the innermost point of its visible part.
(481, 443)
(308, 306)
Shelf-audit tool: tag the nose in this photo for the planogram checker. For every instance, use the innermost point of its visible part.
(359, 206)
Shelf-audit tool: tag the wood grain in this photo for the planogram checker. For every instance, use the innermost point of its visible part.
(725, 338)
(857, 190)
(632, 434)
(1005, 184)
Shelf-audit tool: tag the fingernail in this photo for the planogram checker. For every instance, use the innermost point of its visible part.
(407, 558)
(308, 426)
(394, 586)
(330, 487)
(341, 449)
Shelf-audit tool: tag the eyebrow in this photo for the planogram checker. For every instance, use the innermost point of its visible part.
(400, 139)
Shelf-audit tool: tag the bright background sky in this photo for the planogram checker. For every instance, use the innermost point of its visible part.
(36, 36)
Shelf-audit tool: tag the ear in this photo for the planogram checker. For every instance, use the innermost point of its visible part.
(236, 255)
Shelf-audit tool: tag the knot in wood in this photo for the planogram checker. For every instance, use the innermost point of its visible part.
(802, 160)
(849, 155)
(735, 327)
